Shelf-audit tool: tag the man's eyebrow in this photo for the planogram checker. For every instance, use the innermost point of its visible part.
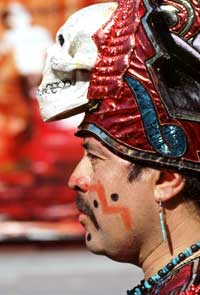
(89, 147)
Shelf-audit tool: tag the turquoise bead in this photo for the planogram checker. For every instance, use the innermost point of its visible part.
(147, 285)
(188, 252)
(165, 269)
(156, 277)
(137, 291)
(198, 244)
(175, 260)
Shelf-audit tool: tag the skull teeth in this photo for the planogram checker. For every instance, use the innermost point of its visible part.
(52, 88)
(61, 84)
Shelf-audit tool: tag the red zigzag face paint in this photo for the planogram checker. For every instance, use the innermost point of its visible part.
(107, 209)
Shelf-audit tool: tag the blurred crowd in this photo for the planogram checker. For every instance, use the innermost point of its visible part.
(35, 158)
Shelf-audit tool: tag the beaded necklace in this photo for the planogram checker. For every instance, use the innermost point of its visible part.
(146, 286)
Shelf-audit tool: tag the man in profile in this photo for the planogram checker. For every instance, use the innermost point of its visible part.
(133, 68)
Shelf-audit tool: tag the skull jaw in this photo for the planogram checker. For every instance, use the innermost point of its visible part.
(64, 103)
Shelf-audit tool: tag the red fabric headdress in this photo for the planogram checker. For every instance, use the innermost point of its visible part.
(145, 88)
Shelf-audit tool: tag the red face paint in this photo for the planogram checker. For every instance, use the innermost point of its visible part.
(99, 189)
(109, 210)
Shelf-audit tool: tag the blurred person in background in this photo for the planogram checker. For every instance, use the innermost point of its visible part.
(27, 42)
(32, 154)
(22, 54)
(133, 68)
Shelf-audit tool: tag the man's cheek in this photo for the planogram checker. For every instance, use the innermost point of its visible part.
(110, 209)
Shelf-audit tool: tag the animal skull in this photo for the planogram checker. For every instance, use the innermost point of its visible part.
(63, 91)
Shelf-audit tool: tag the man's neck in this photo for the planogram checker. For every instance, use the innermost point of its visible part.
(182, 235)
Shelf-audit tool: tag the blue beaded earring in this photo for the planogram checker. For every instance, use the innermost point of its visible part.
(162, 222)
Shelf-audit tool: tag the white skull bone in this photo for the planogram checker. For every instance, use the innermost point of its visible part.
(63, 90)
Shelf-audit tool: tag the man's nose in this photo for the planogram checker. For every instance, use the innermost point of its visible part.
(79, 181)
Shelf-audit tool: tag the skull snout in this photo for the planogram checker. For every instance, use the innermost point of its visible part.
(64, 87)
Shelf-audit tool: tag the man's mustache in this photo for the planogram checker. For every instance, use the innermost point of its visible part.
(85, 208)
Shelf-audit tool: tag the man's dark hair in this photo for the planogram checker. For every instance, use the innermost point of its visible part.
(135, 171)
(190, 192)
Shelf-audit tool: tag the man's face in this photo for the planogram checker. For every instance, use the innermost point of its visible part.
(114, 211)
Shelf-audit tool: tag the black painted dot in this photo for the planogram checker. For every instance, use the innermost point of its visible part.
(61, 39)
(115, 197)
(96, 205)
(89, 237)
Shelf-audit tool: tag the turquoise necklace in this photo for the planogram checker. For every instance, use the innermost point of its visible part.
(146, 286)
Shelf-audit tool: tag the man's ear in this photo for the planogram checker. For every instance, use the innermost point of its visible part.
(168, 185)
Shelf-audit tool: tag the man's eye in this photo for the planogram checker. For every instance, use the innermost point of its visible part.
(92, 157)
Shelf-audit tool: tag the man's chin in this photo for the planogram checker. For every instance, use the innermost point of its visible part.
(97, 248)
(93, 244)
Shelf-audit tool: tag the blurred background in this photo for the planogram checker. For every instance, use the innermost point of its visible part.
(41, 242)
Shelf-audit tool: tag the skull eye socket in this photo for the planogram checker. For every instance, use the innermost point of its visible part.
(61, 39)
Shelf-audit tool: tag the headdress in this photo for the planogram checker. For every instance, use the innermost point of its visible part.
(144, 89)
